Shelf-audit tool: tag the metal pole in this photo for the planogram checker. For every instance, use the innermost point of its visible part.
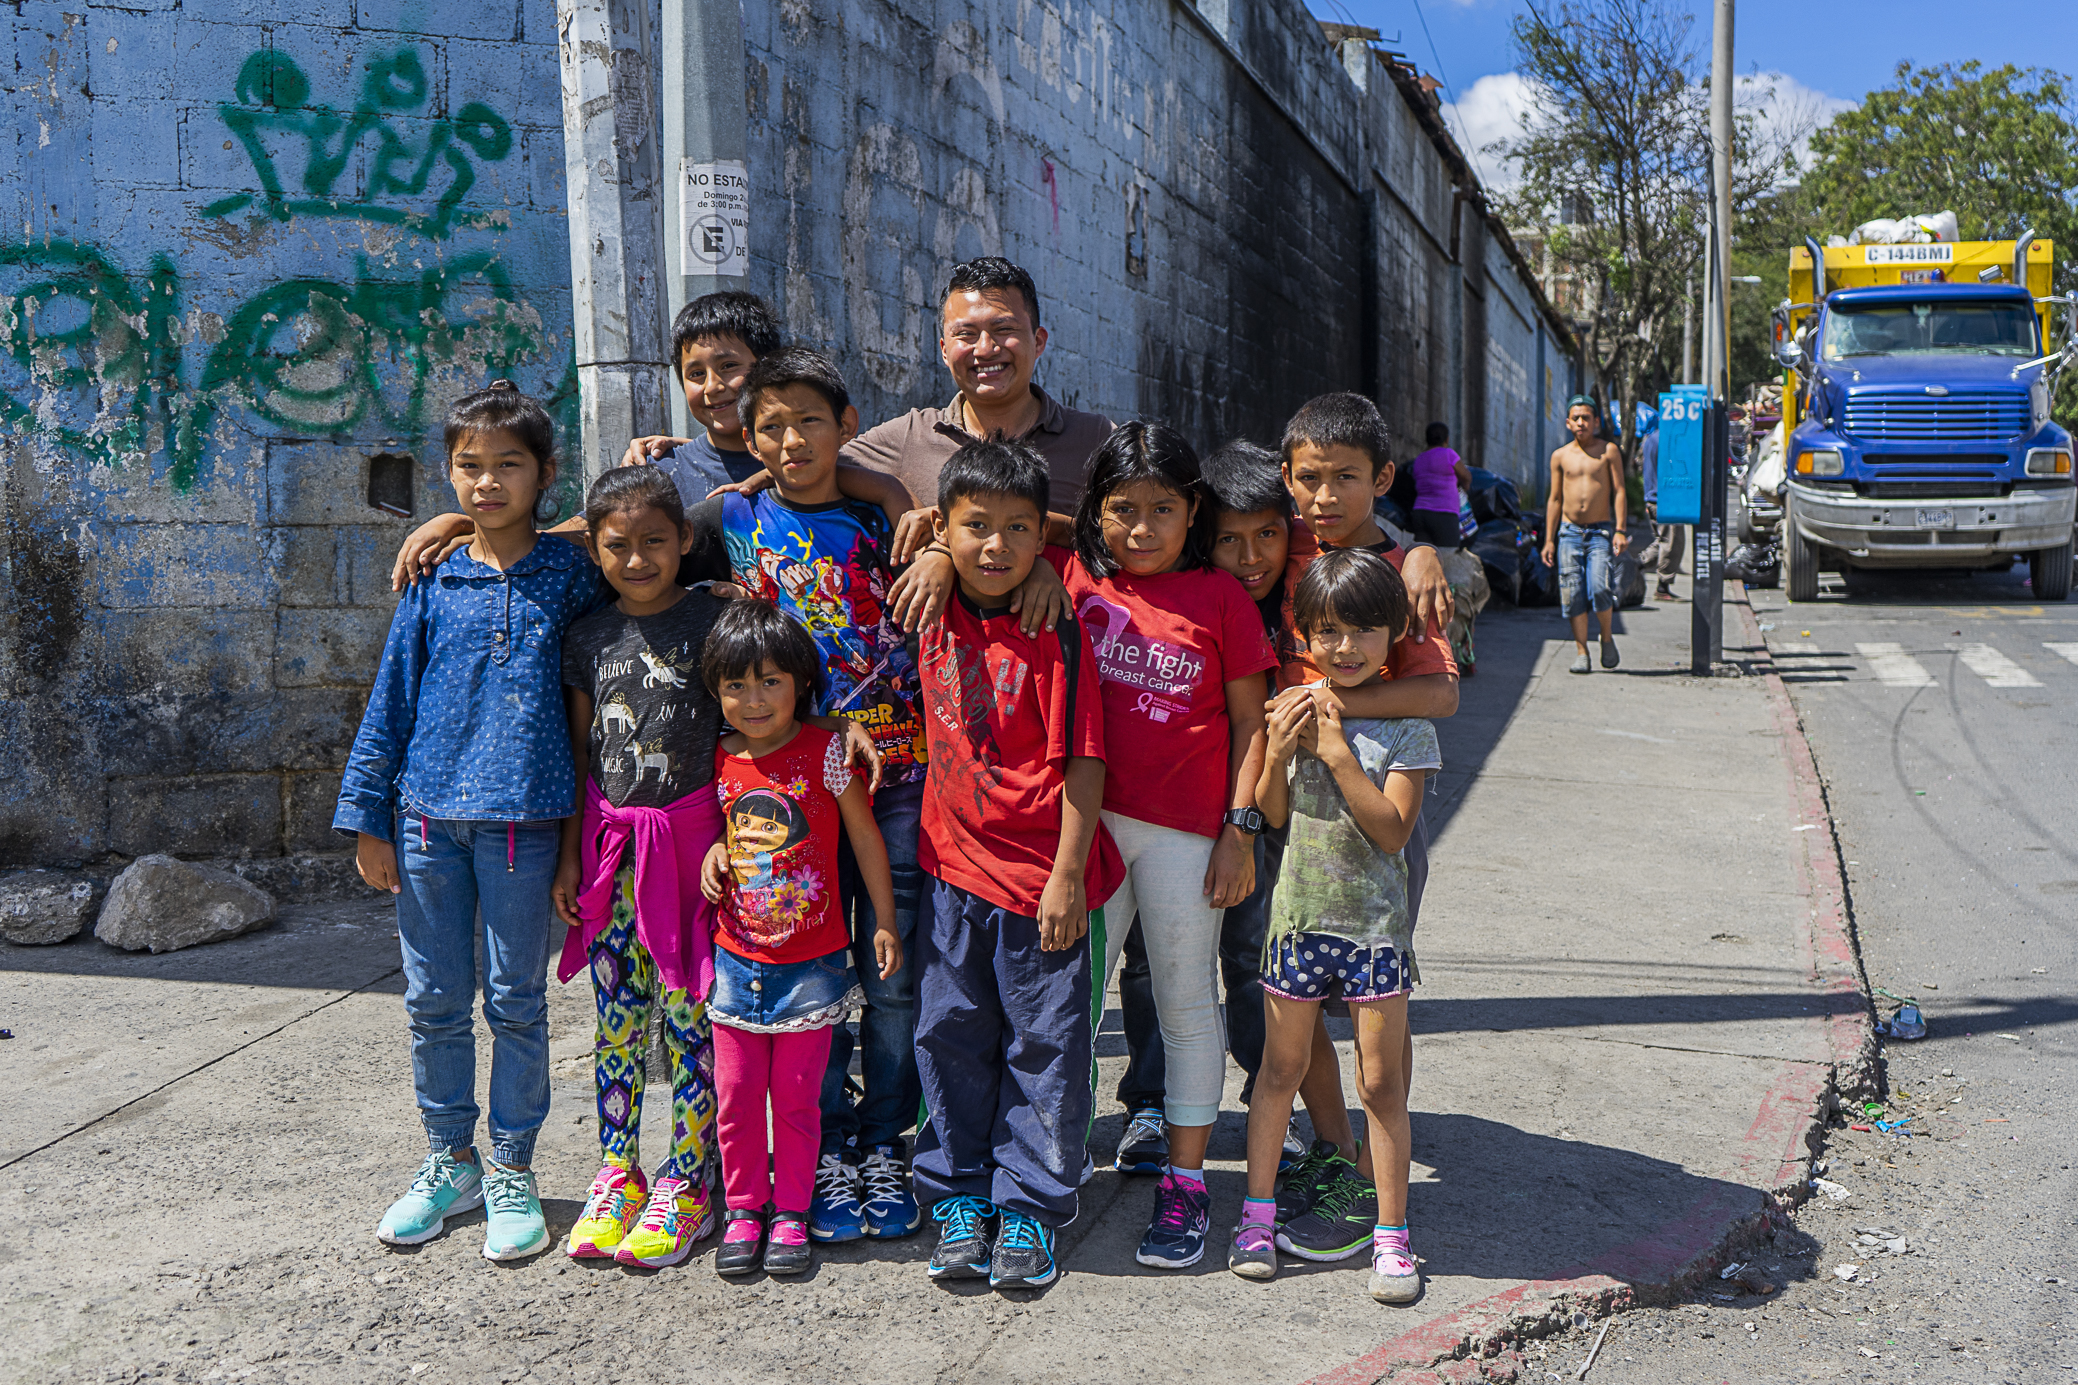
(706, 216)
(611, 169)
(1706, 614)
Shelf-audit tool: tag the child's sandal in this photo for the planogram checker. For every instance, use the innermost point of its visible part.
(738, 1252)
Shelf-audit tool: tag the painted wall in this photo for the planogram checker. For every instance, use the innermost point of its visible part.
(246, 250)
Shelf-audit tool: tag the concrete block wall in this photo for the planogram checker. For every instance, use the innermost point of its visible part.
(1226, 213)
(243, 249)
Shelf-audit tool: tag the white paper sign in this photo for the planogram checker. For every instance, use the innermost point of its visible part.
(714, 215)
(1910, 254)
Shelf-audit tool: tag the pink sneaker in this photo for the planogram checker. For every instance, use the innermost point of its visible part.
(1394, 1277)
(679, 1213)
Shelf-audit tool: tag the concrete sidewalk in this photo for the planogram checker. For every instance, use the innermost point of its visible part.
(1634, 1003)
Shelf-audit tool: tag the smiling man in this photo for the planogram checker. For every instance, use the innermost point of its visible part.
(991, 340)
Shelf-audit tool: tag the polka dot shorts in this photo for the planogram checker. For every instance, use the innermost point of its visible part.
(1320, 966)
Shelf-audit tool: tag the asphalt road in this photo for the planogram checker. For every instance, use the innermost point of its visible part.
(1940, 710)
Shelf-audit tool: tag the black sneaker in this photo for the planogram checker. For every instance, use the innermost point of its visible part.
(1144, 1148)
(1024, 1254)
(1175, 1239)
(1322, 1165)
(963, 1246)
(1339, 1224)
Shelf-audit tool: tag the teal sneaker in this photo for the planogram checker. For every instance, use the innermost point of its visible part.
(445, 1187)
(516, 1228)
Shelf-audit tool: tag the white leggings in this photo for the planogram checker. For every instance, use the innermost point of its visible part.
(1165, 882)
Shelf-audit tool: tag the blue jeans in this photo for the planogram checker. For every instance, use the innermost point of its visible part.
(892, 1091)
(465, 884)
(1586, 568)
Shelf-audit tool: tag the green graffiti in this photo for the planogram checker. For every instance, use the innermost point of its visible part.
(273, 105)
(103, 365)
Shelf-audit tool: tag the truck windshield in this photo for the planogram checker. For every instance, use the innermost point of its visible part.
(1920, 329)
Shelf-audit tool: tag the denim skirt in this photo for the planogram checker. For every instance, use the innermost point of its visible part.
(783, 997)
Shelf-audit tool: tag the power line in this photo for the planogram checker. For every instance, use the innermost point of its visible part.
(1464, 131)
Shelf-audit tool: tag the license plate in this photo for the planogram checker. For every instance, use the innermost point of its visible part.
(1937, 519)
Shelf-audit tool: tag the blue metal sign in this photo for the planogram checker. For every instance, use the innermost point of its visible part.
(1684, 423)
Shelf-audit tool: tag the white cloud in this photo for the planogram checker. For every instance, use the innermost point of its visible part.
(1496, 108)
(1786, 109)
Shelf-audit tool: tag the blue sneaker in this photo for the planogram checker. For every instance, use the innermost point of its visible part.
(1144, 1148)
(516, 1227)
(1024, 1254)
(963, 1248)
(445, 1187)
(834, 1213)
(889, 1206)
(1175, 1239)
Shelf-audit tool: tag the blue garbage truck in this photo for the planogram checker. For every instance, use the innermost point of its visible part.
(1917, 387)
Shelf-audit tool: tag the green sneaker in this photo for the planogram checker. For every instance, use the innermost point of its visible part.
(445, 1187)
(1338, 1226)
(1313, 1175)
(516, 1228)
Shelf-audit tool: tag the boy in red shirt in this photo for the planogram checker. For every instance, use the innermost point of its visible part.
(1016, 859)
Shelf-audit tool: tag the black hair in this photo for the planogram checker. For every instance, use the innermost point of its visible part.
(993, 465)
(1438, 435)
(501, 405)
(749, 633)
(1353, 586)
(744, 316)
(1242, 479)
(793, 365)
(993, 272)
(1339, 420)
(1152, 452)
(774, 807)
(626, 489)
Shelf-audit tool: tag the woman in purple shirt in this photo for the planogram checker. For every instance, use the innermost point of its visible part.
(1439, 475)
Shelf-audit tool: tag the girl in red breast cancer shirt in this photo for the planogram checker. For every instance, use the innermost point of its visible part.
(1184, 661)
(782, 958)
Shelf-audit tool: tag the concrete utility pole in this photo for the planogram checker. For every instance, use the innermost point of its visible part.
(1688, 331)
(707, 203)
(1706, 613)
(614, 175)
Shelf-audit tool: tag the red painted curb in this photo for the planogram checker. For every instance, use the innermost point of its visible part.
(1467, 1346)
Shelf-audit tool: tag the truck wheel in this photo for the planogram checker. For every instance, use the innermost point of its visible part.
(1800, 556)
(2049, 572)
(1747, 532)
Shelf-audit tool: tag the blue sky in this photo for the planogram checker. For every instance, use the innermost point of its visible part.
(1836, 49)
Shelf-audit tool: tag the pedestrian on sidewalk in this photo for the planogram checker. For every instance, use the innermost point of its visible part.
(1348, 792)
(1584, 521)
(455, 790)
(1441, 478)
(1668, 540)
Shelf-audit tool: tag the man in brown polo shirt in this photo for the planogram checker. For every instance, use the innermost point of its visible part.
(990, 340)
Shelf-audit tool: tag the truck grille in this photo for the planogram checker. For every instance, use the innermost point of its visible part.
(1965, 416)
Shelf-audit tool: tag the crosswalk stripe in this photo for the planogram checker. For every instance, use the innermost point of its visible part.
(2068, 651)
(1995, 668)
(1893, 667)
(1801, 647)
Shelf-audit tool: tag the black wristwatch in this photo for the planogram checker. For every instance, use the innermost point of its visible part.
(1247, 819)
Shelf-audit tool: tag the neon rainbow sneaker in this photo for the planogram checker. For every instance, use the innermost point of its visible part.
(679, 1214)
(610, 1209)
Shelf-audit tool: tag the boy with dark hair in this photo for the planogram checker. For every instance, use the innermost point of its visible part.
(1017, 859)
(715, 340)
(823, 559)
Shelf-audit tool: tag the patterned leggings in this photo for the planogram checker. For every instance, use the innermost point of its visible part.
(626, 985)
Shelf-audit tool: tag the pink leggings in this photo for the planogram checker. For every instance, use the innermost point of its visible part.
(788, 1068)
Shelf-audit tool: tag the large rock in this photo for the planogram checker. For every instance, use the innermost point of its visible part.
(39, 907)
(162, 904)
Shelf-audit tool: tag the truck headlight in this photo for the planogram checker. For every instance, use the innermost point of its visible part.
(2048, 461)
(1818, 464)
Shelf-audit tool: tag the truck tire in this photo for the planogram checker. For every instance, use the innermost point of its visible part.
(1800, 557)
(2049, 572)
(1747, 532)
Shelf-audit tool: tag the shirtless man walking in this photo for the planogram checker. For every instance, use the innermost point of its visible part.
(1584, 523)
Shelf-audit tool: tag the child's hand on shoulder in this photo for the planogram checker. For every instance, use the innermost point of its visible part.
(714, 872)
(919, 595)
(1040, 600)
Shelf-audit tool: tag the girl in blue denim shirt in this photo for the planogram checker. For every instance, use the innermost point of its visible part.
(458, 782)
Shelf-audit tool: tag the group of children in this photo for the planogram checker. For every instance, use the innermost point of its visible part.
(808, 745)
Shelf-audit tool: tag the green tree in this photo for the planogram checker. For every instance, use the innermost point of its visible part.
(1999, 148)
